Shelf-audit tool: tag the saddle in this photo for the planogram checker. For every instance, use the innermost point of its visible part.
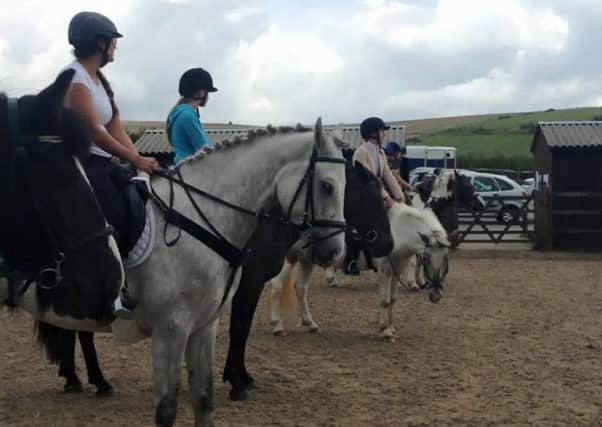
(135, 195)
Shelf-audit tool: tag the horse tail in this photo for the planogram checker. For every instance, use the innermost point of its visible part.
(50, 338)
(288, 297)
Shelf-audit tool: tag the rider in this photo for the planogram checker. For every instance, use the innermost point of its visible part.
(395, 153)
(94, 38)
(184, 128)
(371, 155)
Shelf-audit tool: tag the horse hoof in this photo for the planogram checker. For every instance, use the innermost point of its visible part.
(313, 329)
(279, 332)
(73, 388)
(105, 390)
(241, 395)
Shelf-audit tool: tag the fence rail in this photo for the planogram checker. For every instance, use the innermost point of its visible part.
(504, 219)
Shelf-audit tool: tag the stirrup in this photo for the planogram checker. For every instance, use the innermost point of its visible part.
(120, 311)
(352, 268)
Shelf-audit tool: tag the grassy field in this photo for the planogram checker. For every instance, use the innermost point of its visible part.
(491, 141)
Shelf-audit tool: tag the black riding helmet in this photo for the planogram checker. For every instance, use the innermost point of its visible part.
(194, 80)
(86, 27)
(372, 125)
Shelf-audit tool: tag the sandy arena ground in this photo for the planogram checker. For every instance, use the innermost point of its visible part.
(516, 340)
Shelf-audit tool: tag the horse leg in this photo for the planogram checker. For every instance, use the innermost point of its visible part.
(95, 376)
(67, 362)
(276, 292)
(331, 278)
(244, 305)
(384, 290)
(200, 353)
(412, 274)
(419, 271)
(168, 344)
(302, 291)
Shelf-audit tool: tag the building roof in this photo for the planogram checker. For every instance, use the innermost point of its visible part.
(567, 135)
(154, 141)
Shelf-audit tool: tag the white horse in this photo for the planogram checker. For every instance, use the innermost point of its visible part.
(449, 190)
(182, 289)
(414, 232)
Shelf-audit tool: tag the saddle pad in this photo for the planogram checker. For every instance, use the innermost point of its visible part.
(145, 244)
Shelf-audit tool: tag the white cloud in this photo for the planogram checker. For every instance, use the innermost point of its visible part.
(280, 62)
(238, 15)
(460, 25)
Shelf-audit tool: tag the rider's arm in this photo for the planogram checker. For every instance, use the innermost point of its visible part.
(390, 181)
(80, 100)
(110, 138)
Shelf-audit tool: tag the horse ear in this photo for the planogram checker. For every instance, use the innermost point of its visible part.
(443, 242)
(53, 95)
(337, 138)
(318, 134)
(425, 239)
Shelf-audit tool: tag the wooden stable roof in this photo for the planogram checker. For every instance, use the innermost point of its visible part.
(154, 141)
(567, 135)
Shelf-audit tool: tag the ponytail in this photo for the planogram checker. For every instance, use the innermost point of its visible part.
(168, 125)
(109, 91)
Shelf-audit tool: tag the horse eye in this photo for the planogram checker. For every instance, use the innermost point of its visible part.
(327, 187)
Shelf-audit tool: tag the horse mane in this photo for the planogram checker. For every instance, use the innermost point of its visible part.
(425, 216)
(251, 136)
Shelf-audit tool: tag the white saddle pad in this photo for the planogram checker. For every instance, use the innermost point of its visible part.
(145, 244)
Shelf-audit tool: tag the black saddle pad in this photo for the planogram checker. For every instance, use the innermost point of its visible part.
(135, 196)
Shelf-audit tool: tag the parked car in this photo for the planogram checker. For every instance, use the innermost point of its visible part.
(529, 185)
(488, 185)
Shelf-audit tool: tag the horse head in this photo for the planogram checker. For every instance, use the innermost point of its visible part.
(466, 194)
(314, 196)
(52, 229)
(435, 260)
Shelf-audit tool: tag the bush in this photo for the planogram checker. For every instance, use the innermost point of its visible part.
(135, 136)
(528, 127)
(414, 140)
(503, 116)
(597, 118)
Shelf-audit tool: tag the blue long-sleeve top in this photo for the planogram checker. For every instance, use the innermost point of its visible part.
(187, 133)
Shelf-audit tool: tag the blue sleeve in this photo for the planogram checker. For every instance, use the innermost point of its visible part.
(195, 132)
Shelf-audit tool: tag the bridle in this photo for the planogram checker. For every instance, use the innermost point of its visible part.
(50, 277)
(213, 239)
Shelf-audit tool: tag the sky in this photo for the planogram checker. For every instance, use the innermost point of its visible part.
(284, 62)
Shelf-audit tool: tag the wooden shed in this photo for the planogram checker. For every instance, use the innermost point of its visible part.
(568, 183)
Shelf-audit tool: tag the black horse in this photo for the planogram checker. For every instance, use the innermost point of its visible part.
(53, 234)
(364, 211)
(460, 192)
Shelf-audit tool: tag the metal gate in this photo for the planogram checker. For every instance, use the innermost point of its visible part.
(504, 220)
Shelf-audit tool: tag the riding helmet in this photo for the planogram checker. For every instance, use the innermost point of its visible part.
(85, 27)
(372, 125)
(194, 80)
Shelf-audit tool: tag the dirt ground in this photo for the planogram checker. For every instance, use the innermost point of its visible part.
(516, 340)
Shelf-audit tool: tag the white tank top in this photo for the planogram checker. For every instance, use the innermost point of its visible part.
(100, 100)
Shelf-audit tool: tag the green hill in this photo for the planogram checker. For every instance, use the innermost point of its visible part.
(500, 141)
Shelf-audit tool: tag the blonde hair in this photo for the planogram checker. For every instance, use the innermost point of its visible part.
(181, 101)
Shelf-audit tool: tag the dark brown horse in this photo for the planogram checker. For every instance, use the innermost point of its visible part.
(364, 212)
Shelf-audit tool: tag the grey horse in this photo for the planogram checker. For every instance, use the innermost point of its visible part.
(182, 289)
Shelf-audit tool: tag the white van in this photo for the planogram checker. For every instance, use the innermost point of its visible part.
(426, 156)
